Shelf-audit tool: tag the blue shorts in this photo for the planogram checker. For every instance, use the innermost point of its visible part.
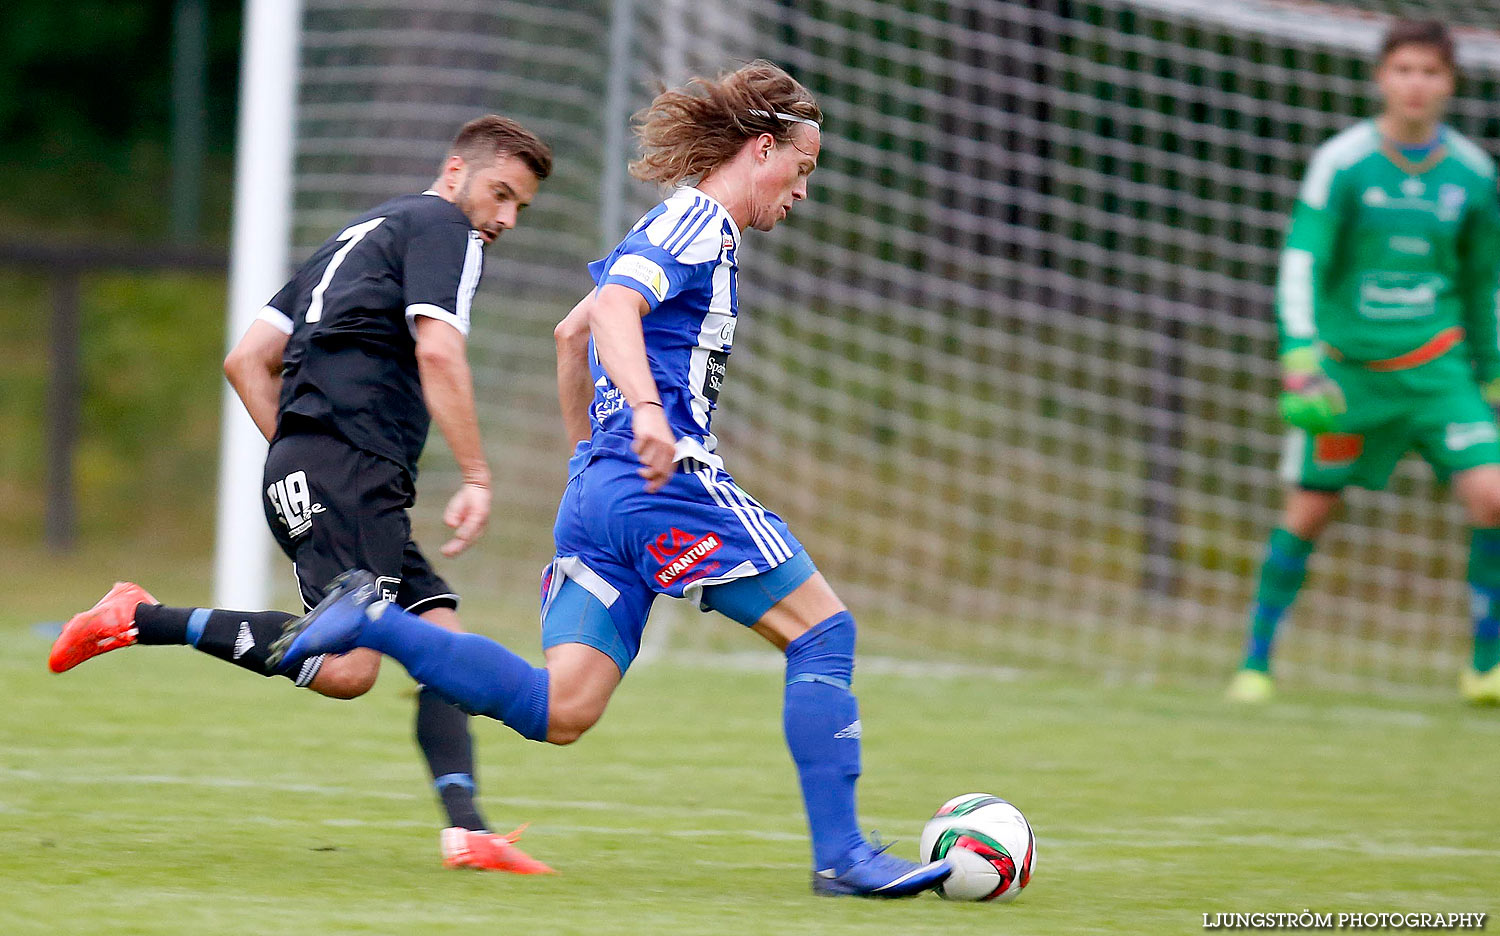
(625, 546)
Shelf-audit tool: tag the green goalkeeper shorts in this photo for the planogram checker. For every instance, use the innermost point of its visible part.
(1452, 428)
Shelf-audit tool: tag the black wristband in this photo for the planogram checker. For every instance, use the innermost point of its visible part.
(650, 403)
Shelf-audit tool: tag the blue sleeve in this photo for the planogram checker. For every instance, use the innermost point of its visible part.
(649, 270)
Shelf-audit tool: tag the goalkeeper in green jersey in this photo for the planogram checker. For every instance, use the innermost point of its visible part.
(1386, 298)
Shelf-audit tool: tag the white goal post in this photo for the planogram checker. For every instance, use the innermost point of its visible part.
(257, 267)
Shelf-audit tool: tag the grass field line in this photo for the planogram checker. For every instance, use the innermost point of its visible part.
(1355, 714)
(1115, 837)
(241, 783)
(1348, 712)
(1105, 840)
(764, 835)
(1110, 840)
(745, 661)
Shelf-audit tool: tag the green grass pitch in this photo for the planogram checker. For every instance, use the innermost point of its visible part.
(156, 791)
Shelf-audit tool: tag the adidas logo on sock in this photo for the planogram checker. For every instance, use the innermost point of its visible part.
(244, 642)
(851, 730)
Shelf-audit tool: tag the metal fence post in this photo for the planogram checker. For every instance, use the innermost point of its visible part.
(62, 412)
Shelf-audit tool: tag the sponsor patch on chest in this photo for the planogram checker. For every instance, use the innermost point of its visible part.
(1460, 436)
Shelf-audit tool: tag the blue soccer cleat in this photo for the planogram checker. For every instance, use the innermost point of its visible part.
(332, 627)
(880, 875)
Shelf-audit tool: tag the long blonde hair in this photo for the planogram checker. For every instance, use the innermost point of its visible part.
(687, 132)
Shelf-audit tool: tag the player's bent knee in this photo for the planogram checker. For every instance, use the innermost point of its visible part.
(1484, 515)
(824, 654)
(341, 689)
(1484, 510)
(567, 722)
(1308, 512)
(577, 697)
(581, 677)
(1479, 489)
(564, 735)
(347, 676)
(446, 618)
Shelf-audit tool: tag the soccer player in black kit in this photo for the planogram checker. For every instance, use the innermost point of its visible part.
(343, 371)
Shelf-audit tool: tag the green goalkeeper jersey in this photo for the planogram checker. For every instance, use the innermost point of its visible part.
(1386, 261)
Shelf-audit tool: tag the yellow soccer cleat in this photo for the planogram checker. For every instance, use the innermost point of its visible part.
(1251, 686)
(1480, 688)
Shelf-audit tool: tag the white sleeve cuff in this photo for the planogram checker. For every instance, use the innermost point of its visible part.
(276, 318)
(459, 322)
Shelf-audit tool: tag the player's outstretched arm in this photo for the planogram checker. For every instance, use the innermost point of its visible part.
(574, 388)
(448, 386)
(254, 371)
(615, 321)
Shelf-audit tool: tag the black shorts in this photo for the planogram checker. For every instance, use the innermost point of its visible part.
(333, 507)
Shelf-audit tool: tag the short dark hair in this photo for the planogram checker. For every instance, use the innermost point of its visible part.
(1430, 33)
(483, 139)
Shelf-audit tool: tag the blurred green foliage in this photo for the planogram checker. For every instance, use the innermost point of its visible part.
(85, 129)
(85, 117)
(148, 436)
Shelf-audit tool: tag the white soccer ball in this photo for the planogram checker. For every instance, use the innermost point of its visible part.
(988, 843)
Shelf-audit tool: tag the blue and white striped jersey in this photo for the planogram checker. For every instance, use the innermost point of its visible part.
(681, 258)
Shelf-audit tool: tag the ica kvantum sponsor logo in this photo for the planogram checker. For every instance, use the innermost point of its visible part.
(688, 558)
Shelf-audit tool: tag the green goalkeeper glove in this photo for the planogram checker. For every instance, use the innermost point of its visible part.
(1310, 399)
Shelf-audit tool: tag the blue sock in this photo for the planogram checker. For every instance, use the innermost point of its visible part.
(821, 721)
(1281, 577)
(472, 672)
(1484, 586)
(1486, 605)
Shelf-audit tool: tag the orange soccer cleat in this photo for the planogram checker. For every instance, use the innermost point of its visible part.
(487, 851)
(108, 625)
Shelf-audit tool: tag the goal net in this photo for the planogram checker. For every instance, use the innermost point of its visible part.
(1010, 373)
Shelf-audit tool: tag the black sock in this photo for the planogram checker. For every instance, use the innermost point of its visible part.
(159, 624)
(243, 637)
(239, 637)
(443, 735)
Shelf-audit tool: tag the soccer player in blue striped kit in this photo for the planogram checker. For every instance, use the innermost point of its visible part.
(649, 508)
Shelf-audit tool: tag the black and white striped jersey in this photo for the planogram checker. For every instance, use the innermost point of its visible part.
(350, 365)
